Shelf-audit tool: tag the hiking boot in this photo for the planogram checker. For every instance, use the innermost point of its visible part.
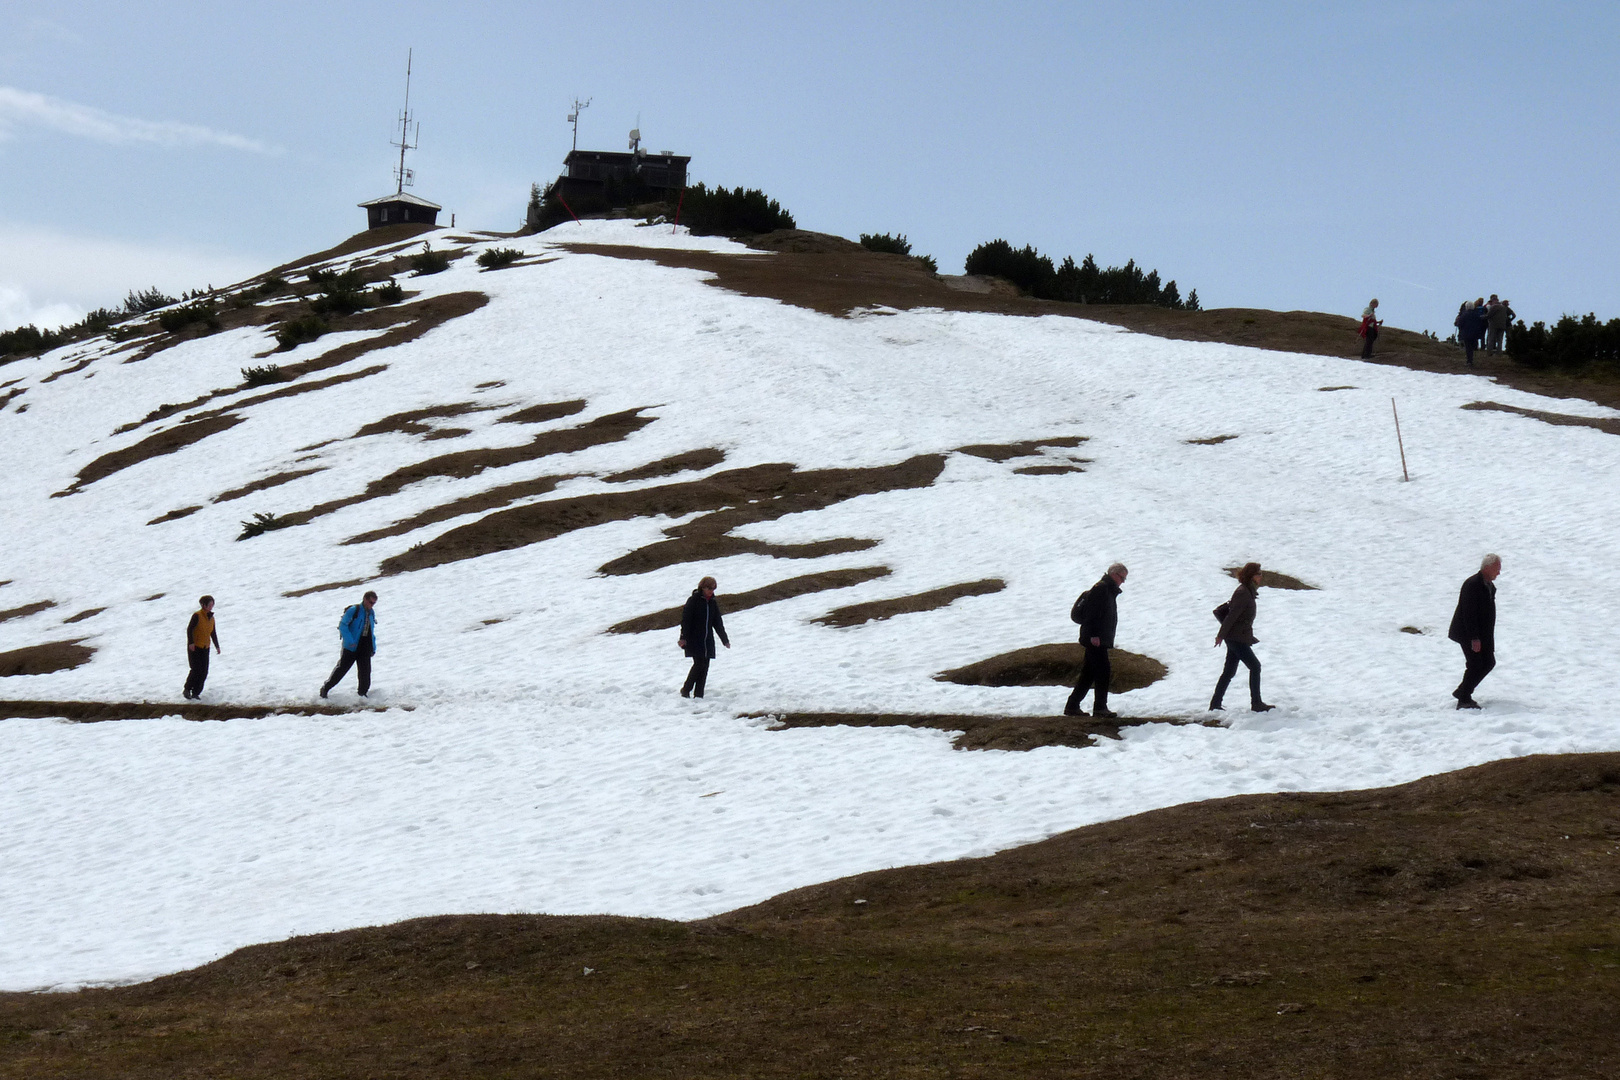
(685, 692)
(1105, 714)
(1072, 709)
(1468, 703)
(1261, 707)
(323, 692)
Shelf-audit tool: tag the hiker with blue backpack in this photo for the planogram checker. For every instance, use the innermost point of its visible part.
(358, 629)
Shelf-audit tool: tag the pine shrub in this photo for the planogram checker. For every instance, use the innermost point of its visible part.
(264, 376)
(1571, 344)
(262, 523)
(740, 212)
(295, 332)
(28, 339)
(894, 245)
(429, 261)
(389, 292)
(495, 258)
(1082, 283)
(177, 319)
(139, 303)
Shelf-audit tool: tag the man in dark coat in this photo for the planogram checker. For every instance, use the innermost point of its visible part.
(1471, 322)
(700, 622)
(1473, 626)
(1097, 612)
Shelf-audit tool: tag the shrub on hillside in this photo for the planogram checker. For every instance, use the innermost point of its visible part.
(264, 376)
(1570, 345)
(139, 303)
(740, 212)
(429, 261)
(176, 319)
(894, 245)
(389, 292)
(495, 258)
(340, 294)
(262, 523)
(1081, 283)
(271, 285)
(295, 332)
(928, 263)
(28, 339)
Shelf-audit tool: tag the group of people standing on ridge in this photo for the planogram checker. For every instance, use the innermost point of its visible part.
(1473, 626)
(1483, 325)
(357, 630)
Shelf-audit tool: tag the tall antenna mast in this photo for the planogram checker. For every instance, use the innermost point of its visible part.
(403, 175)
(573, 117)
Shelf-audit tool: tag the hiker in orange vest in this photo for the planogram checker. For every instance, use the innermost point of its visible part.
(199, 632)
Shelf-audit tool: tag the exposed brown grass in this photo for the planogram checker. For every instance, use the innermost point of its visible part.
(1213, 440)
(932, 600)
(1460, 927)
(96, 712)
(1047, 470)
(1271, 579)
(999, 452)
(362, 241)
(265, 484)
(72, 369)
(1013, 733)
(44, 659)
(175, 515)
(727, 501)
(330, 586)
(1056, 665)
(690, 461)
(1612, 427)
(410, 421)
(26, 610)
(787, 589)
(88, 613)
(167, 441)
(543, 413)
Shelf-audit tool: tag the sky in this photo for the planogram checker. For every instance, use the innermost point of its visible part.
(1270, 155)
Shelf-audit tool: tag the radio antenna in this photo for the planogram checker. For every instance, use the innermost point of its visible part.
(402, 175)
(573, 117)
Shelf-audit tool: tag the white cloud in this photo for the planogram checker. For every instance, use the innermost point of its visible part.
(24, 107)
(49, 278)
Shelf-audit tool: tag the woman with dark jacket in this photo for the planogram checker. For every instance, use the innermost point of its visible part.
(700, 621)
(1237, 630)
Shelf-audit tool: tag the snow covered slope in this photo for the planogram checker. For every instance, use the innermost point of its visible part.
(531, 761)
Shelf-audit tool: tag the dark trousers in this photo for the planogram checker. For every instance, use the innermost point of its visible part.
(1236, 652)
(351, 658)
(1476, 665)
(1367, 342)
(1468, 348)
(198, 659)
(697, 676)
(1095, 671)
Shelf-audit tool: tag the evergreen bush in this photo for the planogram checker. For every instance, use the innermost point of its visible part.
(928, 263)
(139, 303)
(262, 523)
(295, 332)
(495, 258)
(429, 261)
(740, 212)
(894, 245)
(264, 376)
(341, 294)
(28, 339)
(389, 292)
(1572, 344)
(271, 285)
(201, 311)
(1083, 283)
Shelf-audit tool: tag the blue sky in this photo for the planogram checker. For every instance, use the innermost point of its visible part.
(1269, 155)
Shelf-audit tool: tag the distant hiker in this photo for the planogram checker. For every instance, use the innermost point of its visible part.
(358, 630)
(700, 621)
(199, 632)
(1237, 630)
(1471, 328)
(1097, 612)
(1498, 317)
(1369, 329)
(1473, 626)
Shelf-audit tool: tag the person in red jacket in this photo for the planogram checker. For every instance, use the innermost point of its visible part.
(199, 632)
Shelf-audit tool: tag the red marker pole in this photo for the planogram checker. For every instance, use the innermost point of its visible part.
(678, 203)
(570, 210)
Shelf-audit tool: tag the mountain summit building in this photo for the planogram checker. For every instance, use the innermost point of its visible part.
(400, 208)
(592, 175)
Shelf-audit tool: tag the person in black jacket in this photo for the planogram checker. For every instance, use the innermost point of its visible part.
(1473, 626)
(1097, 612)
(1471, 322)
(1237, 631)
(700, 622)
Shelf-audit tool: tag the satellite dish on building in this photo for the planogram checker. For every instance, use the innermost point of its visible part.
(635, 138)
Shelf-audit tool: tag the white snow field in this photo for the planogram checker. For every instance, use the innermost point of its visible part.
(539, 764)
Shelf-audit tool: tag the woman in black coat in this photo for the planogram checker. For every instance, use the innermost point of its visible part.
(1237, 630)
(700, 621)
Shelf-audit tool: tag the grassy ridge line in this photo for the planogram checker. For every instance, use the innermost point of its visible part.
(1458, 926)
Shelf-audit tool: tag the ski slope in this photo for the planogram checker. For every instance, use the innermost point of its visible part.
(528, 761)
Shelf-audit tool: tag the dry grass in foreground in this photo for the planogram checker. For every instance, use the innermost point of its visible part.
(1460, 926)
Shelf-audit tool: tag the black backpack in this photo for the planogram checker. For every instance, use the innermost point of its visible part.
(1079, 602)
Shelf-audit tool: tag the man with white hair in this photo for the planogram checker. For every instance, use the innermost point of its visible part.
(1097, 614)
(1473, 626)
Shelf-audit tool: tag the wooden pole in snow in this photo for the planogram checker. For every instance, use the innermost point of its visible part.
(1398, 442)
